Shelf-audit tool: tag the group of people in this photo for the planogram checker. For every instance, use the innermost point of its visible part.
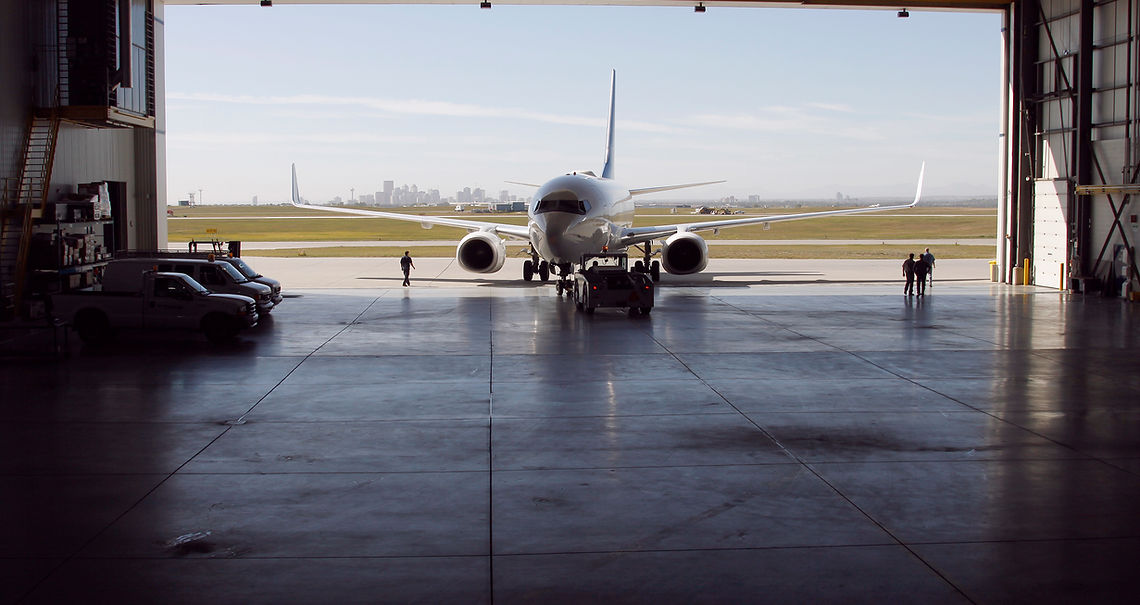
(919, 269)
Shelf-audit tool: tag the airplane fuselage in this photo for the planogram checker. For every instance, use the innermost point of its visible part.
(576, 214)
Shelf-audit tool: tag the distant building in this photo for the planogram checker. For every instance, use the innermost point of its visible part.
(387, 200)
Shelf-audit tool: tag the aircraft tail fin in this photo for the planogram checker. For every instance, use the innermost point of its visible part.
(296, 191)
(608, 167)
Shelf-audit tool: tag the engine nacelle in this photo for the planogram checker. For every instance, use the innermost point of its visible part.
(684, 253)
(481, 252)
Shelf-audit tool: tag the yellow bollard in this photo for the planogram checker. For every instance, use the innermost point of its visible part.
(1025, 272)
(993, 271)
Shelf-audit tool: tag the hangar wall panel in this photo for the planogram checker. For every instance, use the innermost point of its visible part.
(1111, 156)
(17, 82)
(1075, 55)
(1050, 233)
(134, 156)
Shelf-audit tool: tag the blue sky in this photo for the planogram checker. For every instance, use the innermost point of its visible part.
(783, 103)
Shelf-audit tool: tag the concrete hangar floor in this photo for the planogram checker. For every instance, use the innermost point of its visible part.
(812, 442)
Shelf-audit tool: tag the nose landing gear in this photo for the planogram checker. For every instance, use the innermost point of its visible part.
(565, 278)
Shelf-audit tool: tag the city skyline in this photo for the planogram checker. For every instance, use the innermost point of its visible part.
(452, 97)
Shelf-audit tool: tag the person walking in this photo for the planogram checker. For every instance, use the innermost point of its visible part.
(929, 258)
(921, 268)
(908, 273)
(406, 265)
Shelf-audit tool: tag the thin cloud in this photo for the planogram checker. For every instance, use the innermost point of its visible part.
(420, 107)
(792, 120)
(836, 107)
(263, 138)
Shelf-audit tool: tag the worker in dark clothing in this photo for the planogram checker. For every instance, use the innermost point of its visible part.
(921, 269)
(406, 266)
(908, 273)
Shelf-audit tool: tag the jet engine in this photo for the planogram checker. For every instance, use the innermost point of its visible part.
(684, 253)
(481, 252)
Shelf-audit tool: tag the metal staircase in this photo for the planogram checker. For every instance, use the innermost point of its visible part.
(25, 204)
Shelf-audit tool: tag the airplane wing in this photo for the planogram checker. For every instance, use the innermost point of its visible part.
(512, 231)
(638, 235)
(644, 190)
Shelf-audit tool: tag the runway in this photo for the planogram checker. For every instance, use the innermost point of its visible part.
(445, 273)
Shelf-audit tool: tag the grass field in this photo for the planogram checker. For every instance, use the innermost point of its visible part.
(290, 224)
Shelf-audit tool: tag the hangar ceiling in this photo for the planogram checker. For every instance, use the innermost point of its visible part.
(919, 4)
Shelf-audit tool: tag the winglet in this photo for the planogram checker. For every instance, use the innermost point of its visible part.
(918, 192)
(608, 167)
(296, 192)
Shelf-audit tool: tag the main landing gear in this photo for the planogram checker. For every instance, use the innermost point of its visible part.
(645, 266)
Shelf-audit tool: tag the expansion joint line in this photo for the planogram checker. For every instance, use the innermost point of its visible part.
(230, 425)
(807, 466)
(490, 447)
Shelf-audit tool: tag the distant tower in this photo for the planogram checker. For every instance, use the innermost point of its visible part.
(255, 200)
(389, 186)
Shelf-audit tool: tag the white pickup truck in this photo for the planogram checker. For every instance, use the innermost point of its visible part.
(160, 301)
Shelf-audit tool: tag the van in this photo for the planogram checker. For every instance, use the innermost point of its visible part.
(249, 272)
(252, 275)
(124, 275)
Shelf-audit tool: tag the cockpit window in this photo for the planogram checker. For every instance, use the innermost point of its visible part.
(573, 206)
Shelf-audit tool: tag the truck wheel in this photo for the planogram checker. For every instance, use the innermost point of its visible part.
(92, 326)
(528, 270)
(219, 328)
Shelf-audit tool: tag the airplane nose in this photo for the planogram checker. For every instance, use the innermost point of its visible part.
(554, 228)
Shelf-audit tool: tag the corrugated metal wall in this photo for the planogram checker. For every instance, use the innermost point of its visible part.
(1074, 65)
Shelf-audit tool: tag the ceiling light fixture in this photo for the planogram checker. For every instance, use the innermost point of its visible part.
(903, 14)
(699, 8)
(484, 4)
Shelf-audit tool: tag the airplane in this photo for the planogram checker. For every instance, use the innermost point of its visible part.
(582, 213)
